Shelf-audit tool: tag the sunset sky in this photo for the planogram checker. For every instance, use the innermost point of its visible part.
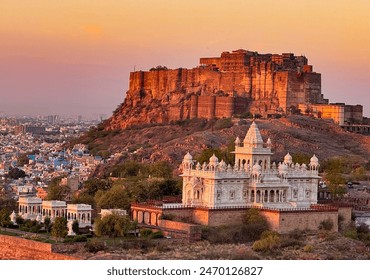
(74, 57)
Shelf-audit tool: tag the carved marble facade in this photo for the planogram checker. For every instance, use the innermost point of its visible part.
(252, 181)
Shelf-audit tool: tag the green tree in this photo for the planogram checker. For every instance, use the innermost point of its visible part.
(336, 183)
(58, 192)
(5, 217)
(84, 198)
(47, 224)
(161, 169)
(129, 168)
(59, 228)
(154, 189)
(113, 225)
(301, 158)
(91, 186)
(76, 227)
(19, 220)
(116, 197)
(359, 174)
(333, 173)
(254, 224)
(9, 203)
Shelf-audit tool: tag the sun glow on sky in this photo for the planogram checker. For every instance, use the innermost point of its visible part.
(74, 57)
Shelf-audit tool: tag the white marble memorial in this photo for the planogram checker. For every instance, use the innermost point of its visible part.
(252, 181)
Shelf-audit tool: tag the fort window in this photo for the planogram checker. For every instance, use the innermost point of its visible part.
(245, 194)
(232, 195)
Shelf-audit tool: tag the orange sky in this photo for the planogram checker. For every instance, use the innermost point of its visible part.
(74, 57)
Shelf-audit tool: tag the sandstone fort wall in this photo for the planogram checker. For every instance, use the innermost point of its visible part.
(232, 84)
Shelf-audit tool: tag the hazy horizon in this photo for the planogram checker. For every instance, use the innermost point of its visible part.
(74, 57)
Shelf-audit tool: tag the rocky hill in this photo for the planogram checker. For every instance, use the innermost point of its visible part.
(294, 134)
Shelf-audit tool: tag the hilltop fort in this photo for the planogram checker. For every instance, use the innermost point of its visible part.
(235, 83)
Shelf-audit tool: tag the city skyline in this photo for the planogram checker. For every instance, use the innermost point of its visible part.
(74, 57)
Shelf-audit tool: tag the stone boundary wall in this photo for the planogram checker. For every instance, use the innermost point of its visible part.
(191, 231)
(346, 213)
(285, 222)
(280, 220)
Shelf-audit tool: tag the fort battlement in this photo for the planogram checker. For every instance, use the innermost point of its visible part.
(234, 83)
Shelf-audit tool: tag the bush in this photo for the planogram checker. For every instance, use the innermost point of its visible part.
(308, 248)
(19, 220)
(156, 235)
(326, 224)
(94, 246)
(77, 238)
(296, 234)
(363, 228)
(289, 242)
(145, 232)
(351, 233)
(80, 238)
(30, 226)
(269, 241)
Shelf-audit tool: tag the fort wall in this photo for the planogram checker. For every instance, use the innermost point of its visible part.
(260, 81)
(234, 83)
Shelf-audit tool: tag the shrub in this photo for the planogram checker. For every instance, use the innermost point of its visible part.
(352, 233)
(363, 228)
(269, 241)
(326, 224)
(296, 234)
(157, 234)
(162, 248)
(308, 248)
(19, 220)
(289, 242)
(94, 246)
(79, 238)
(30, 226)
(145, 232)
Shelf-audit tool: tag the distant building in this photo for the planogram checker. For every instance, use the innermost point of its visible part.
(106, 212)
(35, 208)
(340, 113)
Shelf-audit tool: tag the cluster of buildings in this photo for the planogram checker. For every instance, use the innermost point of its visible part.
(41, 155)
(34, 208)
(45, 162)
